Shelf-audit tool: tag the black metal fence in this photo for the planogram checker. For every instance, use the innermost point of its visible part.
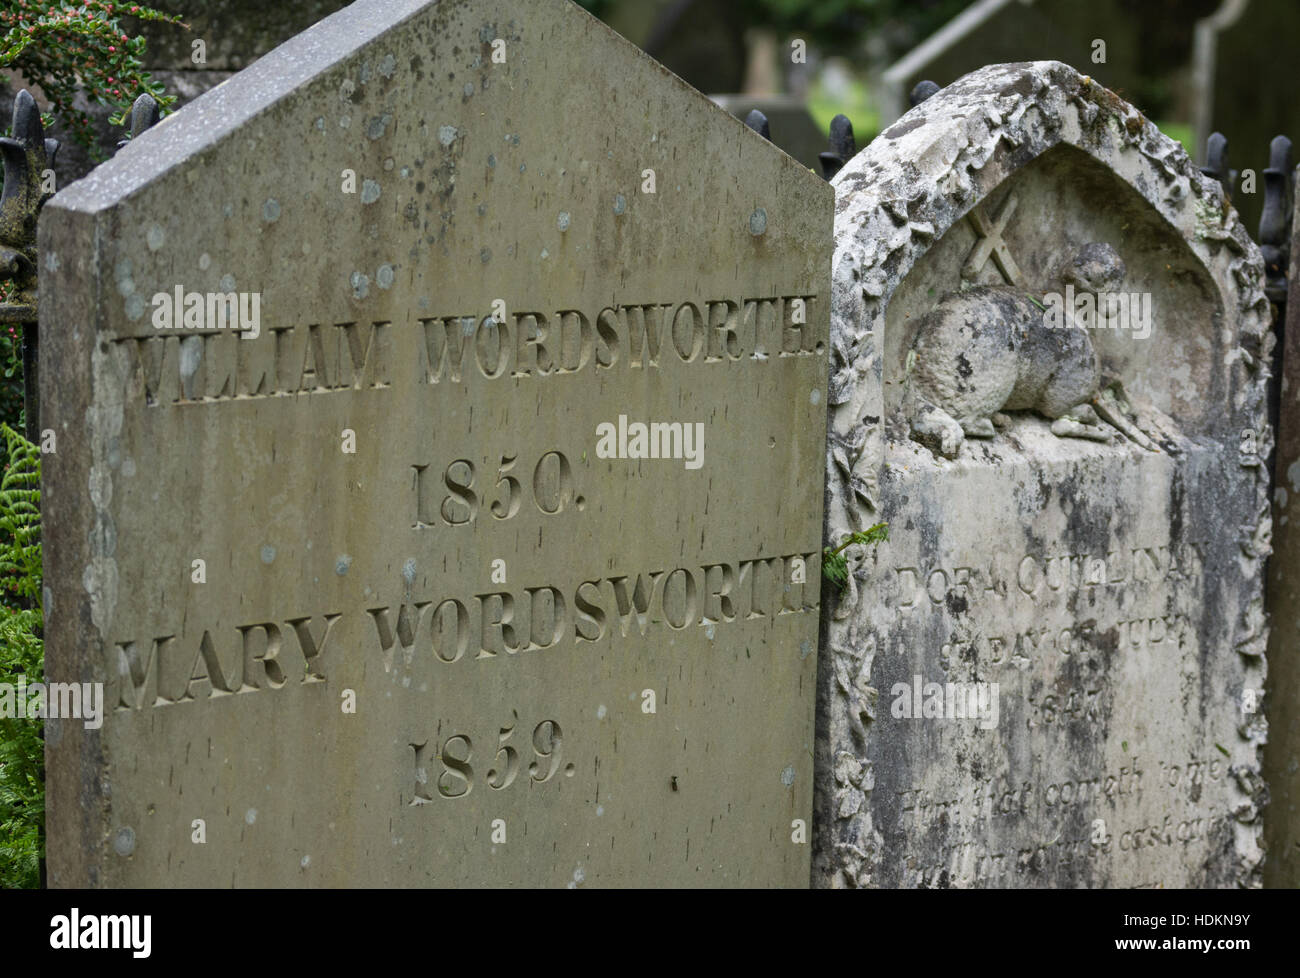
(28, 170)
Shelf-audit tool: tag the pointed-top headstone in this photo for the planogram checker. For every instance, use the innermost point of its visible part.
(485, 551)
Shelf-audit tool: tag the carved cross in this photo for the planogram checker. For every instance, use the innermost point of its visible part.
(989, 244)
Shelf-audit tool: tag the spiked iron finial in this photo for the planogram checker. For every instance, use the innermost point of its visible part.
(1216, 163)
(144, 113)
(843, 147)
(922, 91)
(1273, 218)
(758, 122)
(27, 155)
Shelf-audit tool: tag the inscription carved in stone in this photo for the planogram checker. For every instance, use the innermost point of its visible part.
(488, 554)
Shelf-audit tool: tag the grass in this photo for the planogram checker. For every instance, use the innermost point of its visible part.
(857, 106)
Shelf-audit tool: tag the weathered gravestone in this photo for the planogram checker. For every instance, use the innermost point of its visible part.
(1111, 589)
(438, 635)
(1282, 752)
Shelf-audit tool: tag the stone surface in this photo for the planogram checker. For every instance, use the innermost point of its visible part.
(1282, 752)
(501, 598)
(1112, 589)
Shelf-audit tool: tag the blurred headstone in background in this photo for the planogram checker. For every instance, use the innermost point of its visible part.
(1147, 47)
(793, 129)
(1282, 817)
(700, 41)
(1250, 90)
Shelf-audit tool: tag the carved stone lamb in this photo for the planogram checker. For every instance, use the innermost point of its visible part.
(988, 349)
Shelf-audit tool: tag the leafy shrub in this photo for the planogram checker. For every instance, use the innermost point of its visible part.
(22, 656)
(11, 373)
(66, 46)
(835, 562)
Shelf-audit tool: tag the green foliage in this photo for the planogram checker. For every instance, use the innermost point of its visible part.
(11, 373)
(856, 104)
(22, 656)
(835, 563)
(22, 774)
(66, 46)
(1183, 133)
(20, 522)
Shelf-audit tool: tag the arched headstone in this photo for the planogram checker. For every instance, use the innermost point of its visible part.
(1049, 675)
